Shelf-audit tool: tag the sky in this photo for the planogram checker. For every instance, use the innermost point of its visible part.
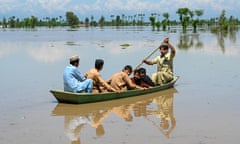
(106, 8)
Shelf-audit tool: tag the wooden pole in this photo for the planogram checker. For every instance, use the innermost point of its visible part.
(147, 58)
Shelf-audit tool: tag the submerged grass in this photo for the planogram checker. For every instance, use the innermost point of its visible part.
(125, 45)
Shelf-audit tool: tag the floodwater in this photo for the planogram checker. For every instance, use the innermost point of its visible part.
(202, 108)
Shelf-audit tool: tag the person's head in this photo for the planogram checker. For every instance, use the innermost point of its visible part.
(74, 60)
(99, 64)
(136, 74)
(163, 48)
(127, 69)
(142, 72)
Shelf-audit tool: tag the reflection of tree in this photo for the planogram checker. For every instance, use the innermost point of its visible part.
(187, 41)
(232, 35)
(223, 34)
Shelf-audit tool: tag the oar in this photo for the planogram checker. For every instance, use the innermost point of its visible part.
(146, 58)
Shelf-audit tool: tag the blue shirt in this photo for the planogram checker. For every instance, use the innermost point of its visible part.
(72, 78)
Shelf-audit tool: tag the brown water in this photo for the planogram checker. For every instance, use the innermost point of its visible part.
(202, 108)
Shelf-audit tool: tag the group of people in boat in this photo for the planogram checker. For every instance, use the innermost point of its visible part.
(92, 82)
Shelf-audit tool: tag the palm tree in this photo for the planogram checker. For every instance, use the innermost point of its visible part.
(12, 22)
(165, 22)
(184, 17)
(112, 17)
(4, 22)
(152, 20)
(196, 21)
(86, 22)
(118, 21)
(102, 21)
(222, 21)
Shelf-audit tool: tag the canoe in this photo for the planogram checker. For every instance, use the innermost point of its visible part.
(80, 98)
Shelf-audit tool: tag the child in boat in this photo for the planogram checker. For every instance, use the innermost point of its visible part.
(144, 78)
(121, 81)
(136, 77)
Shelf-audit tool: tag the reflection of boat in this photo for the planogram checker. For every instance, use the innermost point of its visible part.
(62, 109)
(92, 115)
(78, 98)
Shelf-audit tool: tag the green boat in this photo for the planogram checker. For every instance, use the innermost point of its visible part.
(79, 98)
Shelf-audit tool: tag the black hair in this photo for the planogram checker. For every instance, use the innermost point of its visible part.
(73, 62)
(142, 70)
(99, 63)
(128, 67)
(164, 46)
(135, 71)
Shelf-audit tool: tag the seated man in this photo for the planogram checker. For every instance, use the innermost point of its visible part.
(144, 78)
(99, 85)
(136, 77)
(73, 80)
(121, 80)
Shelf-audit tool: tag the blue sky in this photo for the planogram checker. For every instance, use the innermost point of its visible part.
(87, 8)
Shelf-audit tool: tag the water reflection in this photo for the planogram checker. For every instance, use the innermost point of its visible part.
(187, 41)
(165, 113)
(222, 35)
(156, 109)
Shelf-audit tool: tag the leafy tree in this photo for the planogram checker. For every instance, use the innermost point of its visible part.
(184, 17)
(113, 21)
(118, 20)
(4, 22)
(152, 20)
(86, 22)
(27, 22)
(222, 21)
(102, 21)
(12, 22)
(72, 19)
(33, 21)
(165, 22)
(196, 21)
(158, 24)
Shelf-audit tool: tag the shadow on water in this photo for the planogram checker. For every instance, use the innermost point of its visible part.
(156, 109)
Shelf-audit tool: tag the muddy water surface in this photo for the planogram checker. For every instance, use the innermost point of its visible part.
(202, 108)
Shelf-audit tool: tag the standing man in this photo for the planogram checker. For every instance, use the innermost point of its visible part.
(74, 81)
(164, 63)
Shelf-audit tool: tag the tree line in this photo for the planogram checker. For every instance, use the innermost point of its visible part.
(187, 17)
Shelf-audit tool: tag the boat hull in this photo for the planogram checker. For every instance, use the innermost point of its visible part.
(79, 98)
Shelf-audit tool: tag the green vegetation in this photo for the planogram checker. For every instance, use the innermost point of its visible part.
(188, 20)
(125, 45)
(72, 20)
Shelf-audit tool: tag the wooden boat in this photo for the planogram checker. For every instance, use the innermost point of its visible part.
(79, 98)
